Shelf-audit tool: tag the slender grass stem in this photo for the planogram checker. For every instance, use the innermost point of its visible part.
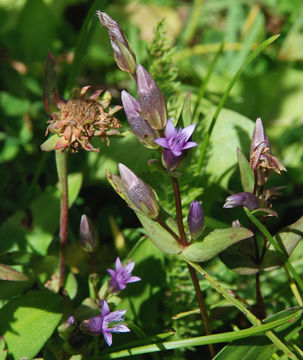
(192, 272)
(61, 162)
(239, 305)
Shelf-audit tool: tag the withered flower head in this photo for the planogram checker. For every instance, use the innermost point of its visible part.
(261, 159)
(80, 119)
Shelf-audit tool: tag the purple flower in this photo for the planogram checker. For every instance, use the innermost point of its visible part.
(122, 275)
(140, 127)
(195, 219)
(105, 323)
(174, 144)
(246, 199)
(177, 140)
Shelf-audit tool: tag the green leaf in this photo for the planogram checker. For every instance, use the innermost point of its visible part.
(3, 352)
(28, 321)
(50, 143)
(246, 173)
(8, 273)
(290, 236)
(217, 241)
(159, 236)
(186, 116)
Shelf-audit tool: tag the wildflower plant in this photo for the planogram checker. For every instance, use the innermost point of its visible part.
(205, 248)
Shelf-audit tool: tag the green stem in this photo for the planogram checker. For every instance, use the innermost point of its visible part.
(192, 272)
(61, 162)
(277, 246)
(239, 305)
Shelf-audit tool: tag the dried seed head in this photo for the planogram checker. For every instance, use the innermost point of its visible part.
(80, 119)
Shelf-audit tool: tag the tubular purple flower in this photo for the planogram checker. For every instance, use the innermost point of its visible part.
(175, 142)
(151, 99)
(140, 127)
(105, 323)
(195, 219)
(140, 194)
(122, 275)
(245, 199)
(123, 54)
(87, 234)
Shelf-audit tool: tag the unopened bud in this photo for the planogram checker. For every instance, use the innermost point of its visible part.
(139, 193)
(140, 127)
(195, 219)
(151, 100)
(246, 199)
(124, 55)
(87, 234)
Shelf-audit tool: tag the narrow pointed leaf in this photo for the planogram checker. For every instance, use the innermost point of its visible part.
(159, 236)
(214, 243)
(8, 273)
(186, 115)
(49, 83)
(246, 173)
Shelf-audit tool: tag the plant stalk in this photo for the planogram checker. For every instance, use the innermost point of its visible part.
(61, 162)
(192, 271)
(260, 302)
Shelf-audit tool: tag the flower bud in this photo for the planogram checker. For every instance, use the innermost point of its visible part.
(246, 199)
(195, 219)
(123, 54)
(140, 127)
(170, 161)
(140, 194)
(92, 326)
(87, 234)
(151, 100)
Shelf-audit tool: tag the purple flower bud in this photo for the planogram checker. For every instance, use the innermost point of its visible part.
(236, 223)
(140, 127)
(246, 199)
(70, 321)
(121, 275)
(195, 219)
(140, 194)
(105, 323)
(124, 55)
(175, 142)
(87, 234)
(151, 100)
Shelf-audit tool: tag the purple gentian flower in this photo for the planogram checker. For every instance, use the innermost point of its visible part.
(177, 140)
(122, 275)
(246, 199)
(101, 324)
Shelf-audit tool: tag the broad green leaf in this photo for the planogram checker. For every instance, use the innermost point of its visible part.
(8, 273)
(3, 351)
(28, 321)
(14, 233)
(159, 236)
(246, 173)
(217, 241)
(291, 235)
(13, 106)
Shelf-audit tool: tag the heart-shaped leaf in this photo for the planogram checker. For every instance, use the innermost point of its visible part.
(217, 241)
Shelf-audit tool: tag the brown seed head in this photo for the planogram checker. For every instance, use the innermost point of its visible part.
(79, 120)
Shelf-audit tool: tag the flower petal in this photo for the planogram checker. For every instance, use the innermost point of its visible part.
(133, 279)
(188, 131)
(189, 144)
(104, 308)
(129, 267)
(162, 142)
(119, 329)
(170, 130)
(108, 337)
(115, 316)
(118, 264)
(111, 272)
